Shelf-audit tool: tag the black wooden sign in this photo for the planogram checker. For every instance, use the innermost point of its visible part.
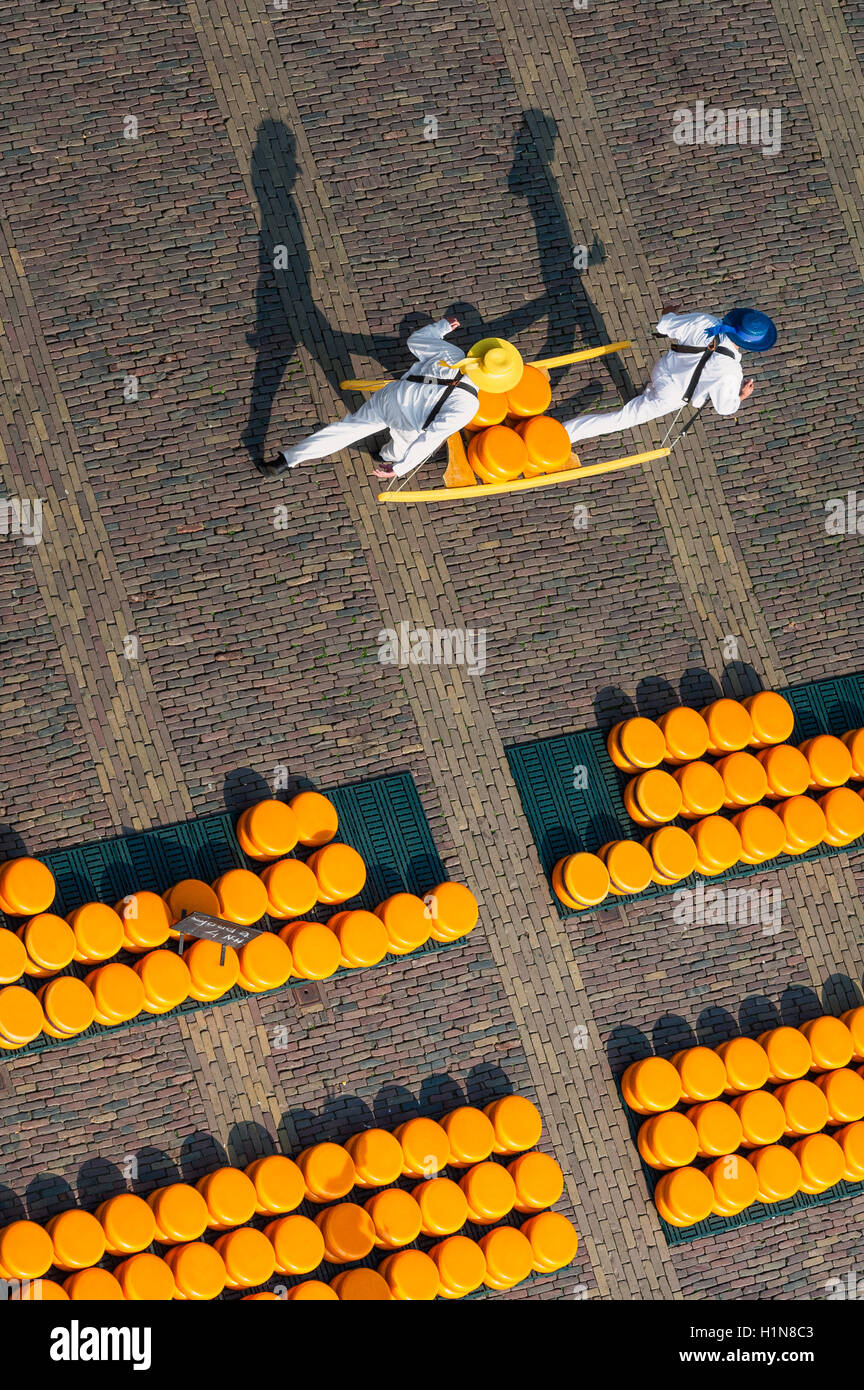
(202, 926)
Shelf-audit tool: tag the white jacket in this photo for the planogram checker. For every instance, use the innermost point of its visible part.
(404, 405)
(721, 376)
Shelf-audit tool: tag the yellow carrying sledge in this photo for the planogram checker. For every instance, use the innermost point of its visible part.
(569, 475)
(531, 450)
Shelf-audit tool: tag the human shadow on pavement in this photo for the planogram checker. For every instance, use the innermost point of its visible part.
(572, 317)
(287, 320)
(284, 321)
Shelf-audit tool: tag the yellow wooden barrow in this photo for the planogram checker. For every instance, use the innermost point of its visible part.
(459, 480)
(456, 491)
(584, 355)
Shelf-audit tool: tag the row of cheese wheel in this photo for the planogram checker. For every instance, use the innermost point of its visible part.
(178, 1214)
(695, 1074)
(715, 1128)
(754, 1119)
(289, 1245)
(332, 874)
(143, 921)
(710, 846)
(697, 790)
(451, 1269)
(267, 831)
(742, 779)
(730, 1185)
(778, 771)
(161, 980)
(683, 735)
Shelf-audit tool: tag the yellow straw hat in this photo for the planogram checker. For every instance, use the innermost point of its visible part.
(493, 364)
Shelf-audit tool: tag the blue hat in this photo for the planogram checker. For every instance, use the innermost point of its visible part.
(749, 329)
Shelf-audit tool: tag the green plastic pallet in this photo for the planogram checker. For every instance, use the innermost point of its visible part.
(382, 819)
(751, 1216)
(564, 819)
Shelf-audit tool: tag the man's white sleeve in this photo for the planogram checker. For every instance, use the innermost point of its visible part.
(726, 393)
(672, 324)
(429, 339)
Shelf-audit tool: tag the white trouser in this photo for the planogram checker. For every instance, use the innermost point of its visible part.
(329, 440)
(649, 406)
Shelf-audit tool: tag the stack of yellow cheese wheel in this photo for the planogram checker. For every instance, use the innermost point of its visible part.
(144, 924)
(772, 718)
(702, 790)
(316, 818)
(762, 832)
(26, 887)
(730, 727)
(806, 786)
(292, 888)
(829, 761)
(547, 444)
(744, 780)
(628, 864)
(497, 454)
(49, 943)
(718, 845)
(257, 1229)
(580, 880)
(636, 744)
(407, 922)
(770, 1117)
(843, 810)
(786, 770)
(685, 734)
(653, 798)
(267, 830)
(673, 854)
(145, 919)
(241, 897)
(854, 740)
(21, 1017)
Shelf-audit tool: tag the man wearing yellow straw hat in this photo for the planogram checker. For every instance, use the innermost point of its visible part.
(432, 400)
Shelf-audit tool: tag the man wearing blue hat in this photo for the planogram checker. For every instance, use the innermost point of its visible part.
(704, 363)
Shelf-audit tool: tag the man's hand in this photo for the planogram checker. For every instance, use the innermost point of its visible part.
(384, 470)
(748, 388)
(453, 322)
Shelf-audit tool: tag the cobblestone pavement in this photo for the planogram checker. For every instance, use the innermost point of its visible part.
(183, 629)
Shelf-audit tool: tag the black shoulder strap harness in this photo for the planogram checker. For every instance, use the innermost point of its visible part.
(700, 365)
(450, 385)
